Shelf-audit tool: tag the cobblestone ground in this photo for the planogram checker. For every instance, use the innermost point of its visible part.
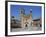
(26, 29)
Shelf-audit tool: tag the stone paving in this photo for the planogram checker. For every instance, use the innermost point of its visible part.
(26, 29)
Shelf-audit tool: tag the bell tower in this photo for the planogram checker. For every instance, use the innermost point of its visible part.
(31, 16)
(22, 13)
(30, 11)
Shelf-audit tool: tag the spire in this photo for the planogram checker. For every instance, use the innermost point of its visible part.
(30, 10)
(22, 11)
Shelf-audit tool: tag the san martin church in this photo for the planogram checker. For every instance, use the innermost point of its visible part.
(26, 20)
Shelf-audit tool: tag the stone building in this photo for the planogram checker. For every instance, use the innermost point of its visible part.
(15, 23)
(37, 23)
(25, 19)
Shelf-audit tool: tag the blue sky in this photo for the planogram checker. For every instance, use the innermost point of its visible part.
(36, 10)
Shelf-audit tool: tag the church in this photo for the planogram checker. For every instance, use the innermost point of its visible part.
(27, 20)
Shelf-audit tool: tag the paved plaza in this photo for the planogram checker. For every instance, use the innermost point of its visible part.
(26, 29)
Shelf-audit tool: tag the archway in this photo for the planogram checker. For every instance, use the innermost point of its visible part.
(26, 25)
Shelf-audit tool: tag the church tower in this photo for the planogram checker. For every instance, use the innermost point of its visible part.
(25, 19)
(22, 13)
(31, 16)
(31, 12)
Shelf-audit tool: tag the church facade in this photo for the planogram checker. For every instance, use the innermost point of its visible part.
(25, 19)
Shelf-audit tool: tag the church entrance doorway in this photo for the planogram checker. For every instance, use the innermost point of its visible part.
(26, 25)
